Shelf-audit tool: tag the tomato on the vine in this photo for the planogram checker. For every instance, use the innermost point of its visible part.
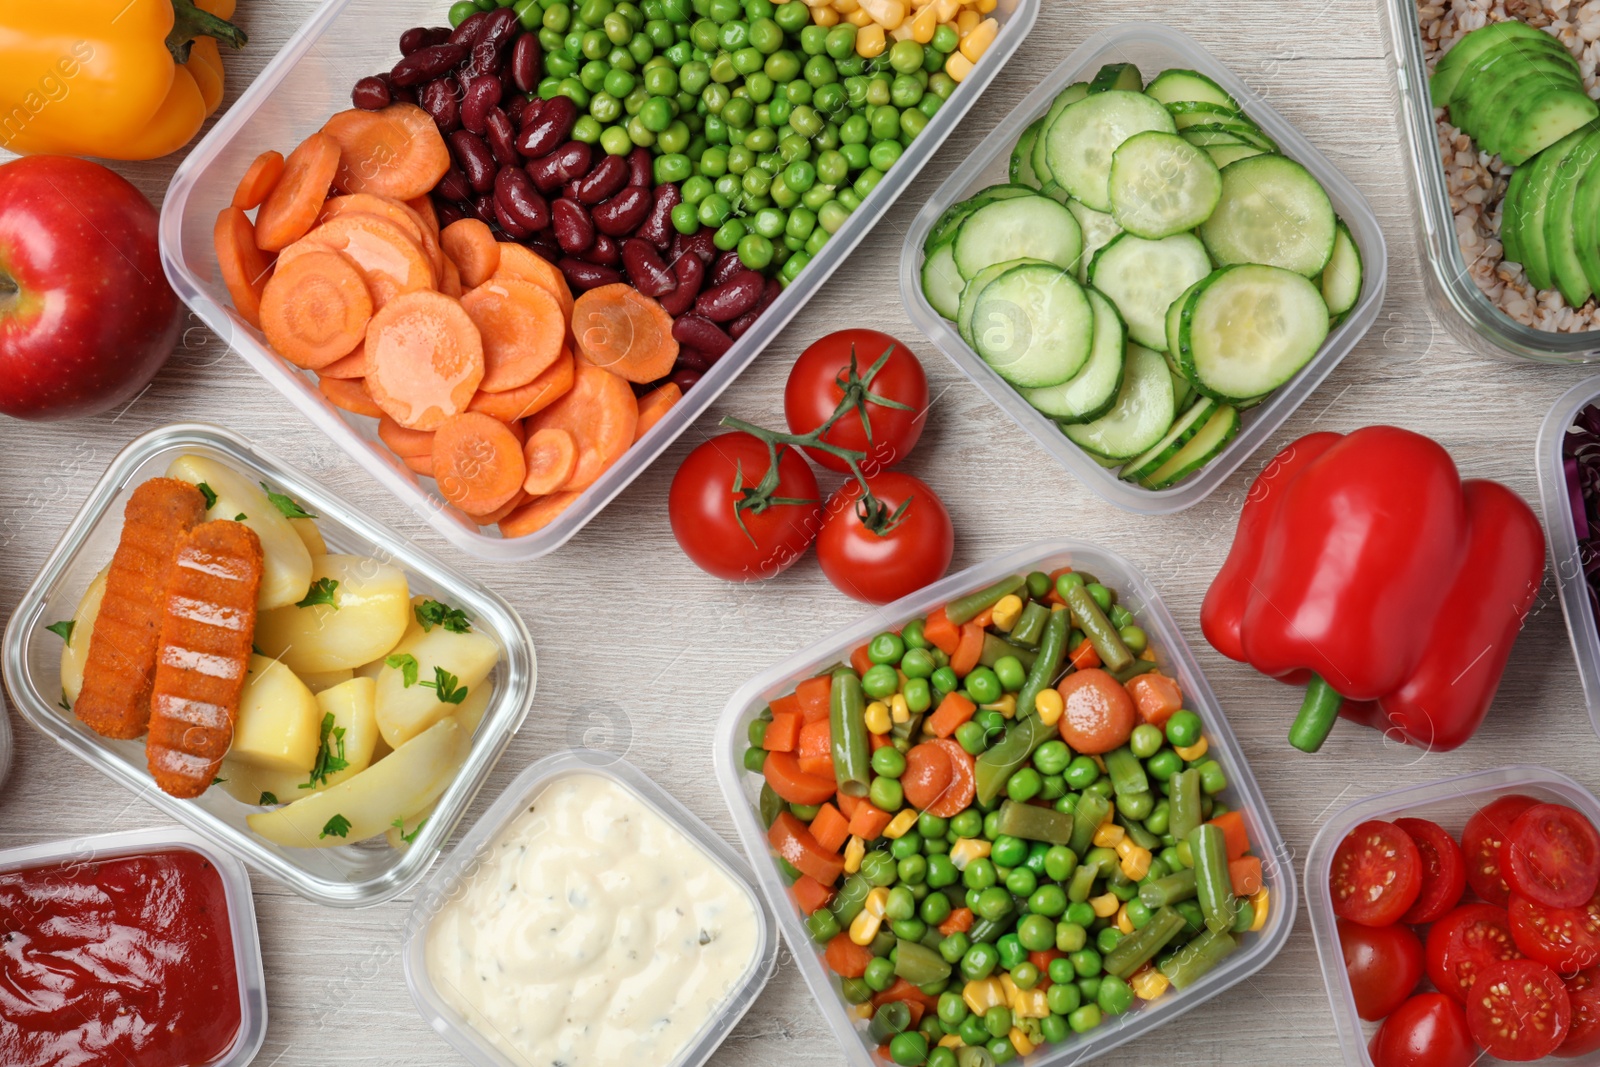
(879, 567)
(1429, 1030)
(754, 541)
(1384, 964)
(813, 395)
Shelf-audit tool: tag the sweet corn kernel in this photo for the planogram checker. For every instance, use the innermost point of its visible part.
(1258, 901)
(855, 850)
(815, 4)
(983, 994)
(878, 720)
(977, 42)
(1148, 983)
(1008, 988)
(966, 850)
(1148, 656)
(1108, 835)
(1006, 706)
(844, 7)
(864, 927)
(899, 710)
(1193, 752)
(967, 21)
(1124, 846)
(861, 19)
(1124, 923)
(958, 67)
(902, 32)
(886, 13)
(923, 25)
(1105, 906)
(1005, 612)
(1136, 864)
(947, 10)
(1049, 705)
(952, 1041)
(869, 42)
(1019, 1041)
(983, 7)
(825, 17)
(1030, 1004)
(901, 824)
(863, 1011)
(877, 901)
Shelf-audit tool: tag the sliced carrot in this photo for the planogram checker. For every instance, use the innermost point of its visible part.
(450, 280)
(830, 828)
(402, 441)
(422, 206)
(791, 840)
(350, 394)
(396, 152)
(816, 747)
(471, 244)
(783, 734)
(959, 922)
(550, 456)
(522, 328)
(1156, 697)
(492, 517)
(787, 702)
(878, 741)
(243, 267)
(1245, 874)
(814, 695)
(627, 333)
(291, 209)
(782, 772)
(600, 413)
(1084, 656)
(534, 397)
(869, 821)
(390, 259)
(315, 309)
(521, 262)
(654, 405)
(983, 618)
(810, 894)
(353, 365)
(943, 633)
(368, 204)
(848, 804)
(258, 181)
(519, 430)
(536, 514)
(914, 998)
(968, 650)
(478, 462)
(954, 710)
(860, 661)
(1234, 834)
(846, 958)
(423, 465)
(424, 359)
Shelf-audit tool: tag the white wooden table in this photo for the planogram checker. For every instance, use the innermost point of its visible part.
(623, 619)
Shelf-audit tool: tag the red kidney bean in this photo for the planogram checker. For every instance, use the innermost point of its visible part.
(402, 96)
(516, 198)
(515, 105)
(549, 128)
(732, 298)
(426, 64)
(574, 229)
(623, 213)
(689, 274)
(483, 208)
(478, 95)
(527, 62)
(605, 251)
(569, 161)
(726, 267)
(503, 139)
(698, 332)
(513, 229)
(471, 29)
(772, 290)
(694, 359)
(414, 38)
(477, 162)
(544, 242)
(608, 175)
(488, 51)
(700, 245)
(640, 170)
(530, 112)
(371, 94)
(586, 276)
(645, 270)
(657, 226)
(685, 378)
(441, 98)
(448, 211)
(454, 185)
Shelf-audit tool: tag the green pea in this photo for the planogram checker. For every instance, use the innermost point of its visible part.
(905, 56)
(967, 824)
(685, 218)
(972, 1031)
(1011, 951)
(1049, 901)
(1146, 740)
(909, 1049)
(1024, 785)
(1082, 772)
(901, 904)
(1183, 729)
(1100, 787)
(1084, 1019)
(886, 794)
(1102, 595)
(740, 159)
(805, 121)
(888, 762)
(755, 759)
(1163, 765)
(801, 222)
(979, 961)
(461, 11)
(942, 871)
(1060, 862)
(800, 175)
(880, 681)
(883, 156)
(755, 252)
(886, 648)
(945, 40)
(1036, 933)
(1115, 995)
(991, 824)
(1136, 805)
(993, 904)
(605, 108)
(728, 235)
(1086, 962)
(952, 1009)
(979, 874)
(1212, 778)
(714, 210)
(913, 120)
(703, 35)
(878, 868)
(792, 17)
(944, 679)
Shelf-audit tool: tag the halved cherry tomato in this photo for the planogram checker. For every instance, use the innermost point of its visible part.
(1444, 870)
(1566, 939)
(1384, 964)
(1429, 1030)
(1463, 943)
(1519, 1010)
(1482, 841)
(1098, 714)
(1553, 856)
(1377, 874)
(1583, 1036)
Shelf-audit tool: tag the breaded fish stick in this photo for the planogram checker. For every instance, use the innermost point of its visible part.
(204, 654)
(121, 665)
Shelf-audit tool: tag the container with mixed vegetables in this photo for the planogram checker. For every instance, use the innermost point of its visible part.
(1003, 824)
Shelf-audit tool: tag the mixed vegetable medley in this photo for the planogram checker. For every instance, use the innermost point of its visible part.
(1003, 825)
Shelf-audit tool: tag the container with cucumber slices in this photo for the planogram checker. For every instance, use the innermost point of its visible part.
(1146, 267)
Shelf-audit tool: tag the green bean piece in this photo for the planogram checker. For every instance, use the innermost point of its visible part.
(1136, 831)
(852, 748)
(1213, 887)
(905, 731)
(1082, 883)
(1127, 773)
(1141, 946)
(997, 648)
(1052, 651)
(1088, 617)
(1034, 823)
(989, 931)
(894, 1017)
(964, 609)
(1164, 892)
(1133, 670)
(1185, 803)
(1192, 962)
(918, 964)
(1091, 811)
(771, 805)
(1246, 917)
(1030, 624)
(850, 901)
(974, 1056)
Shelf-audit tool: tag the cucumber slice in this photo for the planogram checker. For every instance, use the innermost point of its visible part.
(1245, 132)
(1124, 76)
(1223, 154)
(1079, 144)
(941, 282)
(1559, 237)
(1176, 86)
(1186, 113)
(1341, 278)
(1066, 97)
(1022, 227)
(1182, 390)
(1098, 230)
(1536, 207)
(1214, 135)
(1142, 414)
(1201, 449)
(1187, 425)
(1143, 278)
(1093, 390)
(1453, 64)
(1021, 169)
(1033, 325)
(1173, 320)
(950, 220)
(974, 289)
(1274, 212)
(1248, 329)
(1162, 185)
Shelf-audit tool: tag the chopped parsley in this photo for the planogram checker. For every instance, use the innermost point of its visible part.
(63, 704)
(338, 826)
(209, 493)
(406, 664)
(267, 798)
(240, 517)
(447, 686)
(400, 824)
(63, 629)
(330, 756)
(431, 613)
(286, 504)
(218, 781)
(322, 591)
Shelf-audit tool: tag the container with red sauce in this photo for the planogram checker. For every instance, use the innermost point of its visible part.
(131, 949)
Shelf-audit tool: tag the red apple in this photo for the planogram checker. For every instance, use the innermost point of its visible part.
(86, 314)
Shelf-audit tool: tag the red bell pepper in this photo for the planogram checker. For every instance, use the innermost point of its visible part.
(1364, 566)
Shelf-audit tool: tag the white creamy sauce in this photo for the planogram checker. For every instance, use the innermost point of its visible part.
(593, 934)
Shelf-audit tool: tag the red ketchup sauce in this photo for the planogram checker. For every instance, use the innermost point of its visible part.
(125, 961)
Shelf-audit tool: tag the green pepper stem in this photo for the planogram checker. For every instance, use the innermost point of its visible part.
(189, 22)
(1318, 712)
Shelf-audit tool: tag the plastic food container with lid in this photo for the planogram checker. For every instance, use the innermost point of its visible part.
(352, 875)
(742, 788)
(310, 80)
(1566, 555)
(450, 880)
(1466, 312)
(1450, 802)
(1152, 48)
(241, 910)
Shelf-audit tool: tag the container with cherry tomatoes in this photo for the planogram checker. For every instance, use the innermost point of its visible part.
(1458, 922)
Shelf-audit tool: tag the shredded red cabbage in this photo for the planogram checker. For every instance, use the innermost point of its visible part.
(1581, 460)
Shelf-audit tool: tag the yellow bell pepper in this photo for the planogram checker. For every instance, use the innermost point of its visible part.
(118, 79)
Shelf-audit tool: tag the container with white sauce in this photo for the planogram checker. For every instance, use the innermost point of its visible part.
(591, 920)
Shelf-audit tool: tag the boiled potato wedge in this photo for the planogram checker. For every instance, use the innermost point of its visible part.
(286, 564)
(317, 681)
(351, 705)
(311, 535)
(75, 650)
(404, 711)
(279, 726)
(470, 713)
(369, 611)
(398, 786)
